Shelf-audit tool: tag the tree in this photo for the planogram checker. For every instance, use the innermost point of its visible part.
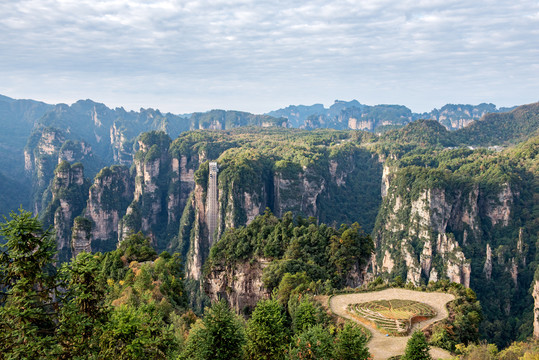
(137, 247)
(351, 344)
(27, 315)
(305, 313)
(349, 252)
(136, 333)
(83, 314)
(417, 348)
(267, 332)
(314, 343)
(219, 335)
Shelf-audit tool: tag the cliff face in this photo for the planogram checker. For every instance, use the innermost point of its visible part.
(241, 285)
(329, 191)
(438, 223)
(148, 211)
(455, 117)
(198, 236)
(69, 190)
(81, 236)
(535, 295)
(47, 148)
(109, 196)
(287, 188)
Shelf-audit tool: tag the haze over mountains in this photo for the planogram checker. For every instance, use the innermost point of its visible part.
(87, 129)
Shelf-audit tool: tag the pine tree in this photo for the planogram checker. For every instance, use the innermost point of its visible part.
(267, 331)
(219, 336)
(351, 344)
(27, 317)
(83, 314)
(417, 348)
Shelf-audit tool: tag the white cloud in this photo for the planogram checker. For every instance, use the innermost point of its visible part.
(228, 52)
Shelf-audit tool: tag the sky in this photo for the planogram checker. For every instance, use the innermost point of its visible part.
(258, 56)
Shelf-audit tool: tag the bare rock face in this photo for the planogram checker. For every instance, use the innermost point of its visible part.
(69, 190)
(149, 211)
(81, 236)
(110, 194)
(388, 263)
(45, 150)
(436, 218)
(252, 207)
(122, 152)
(413, 268)
(306, 184)
(536, 309)
(426, 258)
(386, 178)
(241, 284)
(357, 124)
(500, 211)
(487, 269)
(199, 246)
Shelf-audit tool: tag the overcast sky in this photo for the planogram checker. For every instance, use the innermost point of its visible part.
(257, 56)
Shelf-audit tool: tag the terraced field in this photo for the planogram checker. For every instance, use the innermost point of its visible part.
(381, 345)
(394, 316)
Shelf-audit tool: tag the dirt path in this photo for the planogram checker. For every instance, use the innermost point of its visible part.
(381, 346)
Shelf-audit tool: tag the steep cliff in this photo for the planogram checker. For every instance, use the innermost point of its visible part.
(81, 236)
(343, 185)
(46, 148)
(109, 197)
(455, 117)
(250, 262)
(69, 191)
(17, 119)
(465, 216)
(240, 284)
(148, 211)
(224, 120)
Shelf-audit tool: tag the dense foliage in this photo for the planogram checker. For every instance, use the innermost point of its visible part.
(301, 252)
(125, 304)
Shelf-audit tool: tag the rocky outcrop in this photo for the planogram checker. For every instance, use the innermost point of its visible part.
(281, 186)
(299, 194)
(122, 147)
(149, 211)
(387, 175)
(199, 246)
(499, 210)
(109, 196)
(240, 284)
(535, 294)
(455, 117)
(441, 223)
(45, 149)
(68, 190)
(81, 236)
(487, 269)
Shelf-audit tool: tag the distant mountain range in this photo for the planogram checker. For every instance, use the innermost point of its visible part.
(97, 135)
(357, 116)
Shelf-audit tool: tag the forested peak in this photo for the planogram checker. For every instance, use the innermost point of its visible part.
(502, 128)
(421, 132)
(150, 138)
